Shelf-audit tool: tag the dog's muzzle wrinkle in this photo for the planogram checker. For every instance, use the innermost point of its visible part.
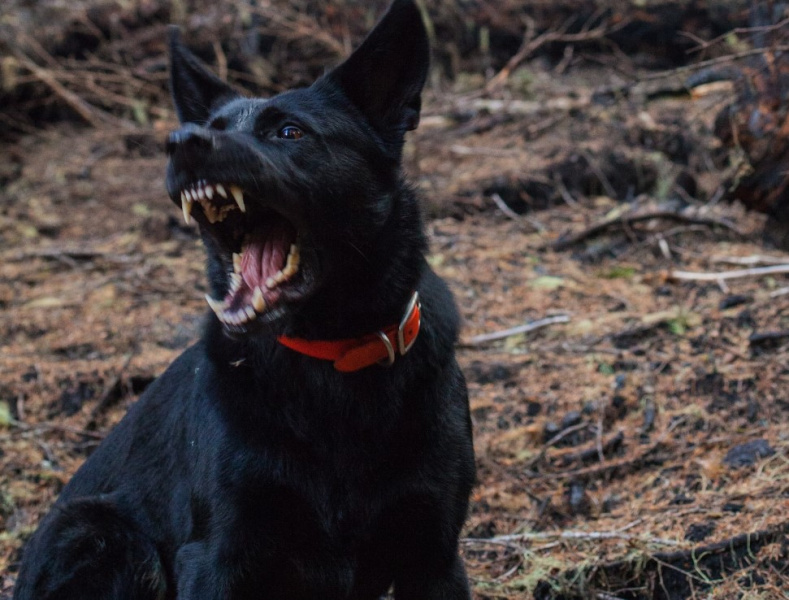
(190, 136)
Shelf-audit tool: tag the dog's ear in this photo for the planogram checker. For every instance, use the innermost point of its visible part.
(196, 91)
(385, 75)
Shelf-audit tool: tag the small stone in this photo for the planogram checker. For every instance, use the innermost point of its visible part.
(699, 531)
(571, 419)
(550, 431)
(748, 453)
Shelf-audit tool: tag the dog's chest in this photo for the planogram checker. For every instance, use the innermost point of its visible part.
(320, 522)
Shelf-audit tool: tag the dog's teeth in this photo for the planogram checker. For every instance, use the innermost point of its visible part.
(186, 206)
(218, 306)
(220, 189)
(280, 277)
(209, 192)
(258, 302)
(236, 262)
(271, 283)
(250, 312)
(238, 195)
(235, 282)
(201, 193)
(292, 264)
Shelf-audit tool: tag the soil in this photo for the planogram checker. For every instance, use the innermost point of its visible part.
(635, 446)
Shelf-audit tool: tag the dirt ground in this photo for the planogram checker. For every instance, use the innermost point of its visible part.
(636, 445)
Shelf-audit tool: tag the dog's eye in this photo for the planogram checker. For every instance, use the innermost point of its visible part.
(290, 132)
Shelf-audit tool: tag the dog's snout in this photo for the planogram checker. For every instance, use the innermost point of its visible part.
(189, 135)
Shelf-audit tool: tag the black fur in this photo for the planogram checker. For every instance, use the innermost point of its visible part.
(247, 470)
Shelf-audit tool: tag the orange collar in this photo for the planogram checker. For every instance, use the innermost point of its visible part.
(353, 354)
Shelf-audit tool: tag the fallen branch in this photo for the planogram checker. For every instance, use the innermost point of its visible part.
(736, 274)
(624, 220)
(752, 260)
(85, 254)
(572, 535)
(484, 338)
(531, 44)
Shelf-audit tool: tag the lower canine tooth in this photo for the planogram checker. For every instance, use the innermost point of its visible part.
(217, 306)
(238, 195)
(258, 302)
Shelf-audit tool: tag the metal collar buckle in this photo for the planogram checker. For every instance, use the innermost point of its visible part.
(402, 347)
(412, 304)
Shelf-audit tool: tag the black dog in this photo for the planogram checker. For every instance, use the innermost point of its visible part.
(316, 444)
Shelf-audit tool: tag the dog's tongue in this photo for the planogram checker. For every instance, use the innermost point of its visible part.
(263, 256)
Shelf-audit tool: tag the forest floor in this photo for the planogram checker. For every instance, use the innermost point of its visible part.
(636, 445)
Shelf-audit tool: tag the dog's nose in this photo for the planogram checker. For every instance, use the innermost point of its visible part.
(189, 135)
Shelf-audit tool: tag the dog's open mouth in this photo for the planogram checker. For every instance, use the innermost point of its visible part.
(258, 247)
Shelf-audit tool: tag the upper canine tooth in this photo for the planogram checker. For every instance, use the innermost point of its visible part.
(220, 189)
(238, 195)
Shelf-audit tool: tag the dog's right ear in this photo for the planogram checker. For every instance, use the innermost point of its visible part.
(196, 91)
(385, 75)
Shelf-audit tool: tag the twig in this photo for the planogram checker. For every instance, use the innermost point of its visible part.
(755, 272)
(705, 44)
(753, 259)
(572, 535)
(779, 292)
(564, 243)
(82, 108)
(601, 177)
(484, 338)
(72, 253)
(112, 391)
(42, 427)
(504, 208)
(710, 63)
(530, 45)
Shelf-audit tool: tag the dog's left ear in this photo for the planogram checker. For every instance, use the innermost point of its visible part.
(196, 91)
(384, 77)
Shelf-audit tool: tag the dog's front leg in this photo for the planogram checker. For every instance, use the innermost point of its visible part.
(448, 583)
(198, 575)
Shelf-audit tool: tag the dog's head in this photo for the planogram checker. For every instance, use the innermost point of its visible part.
(296, 194)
